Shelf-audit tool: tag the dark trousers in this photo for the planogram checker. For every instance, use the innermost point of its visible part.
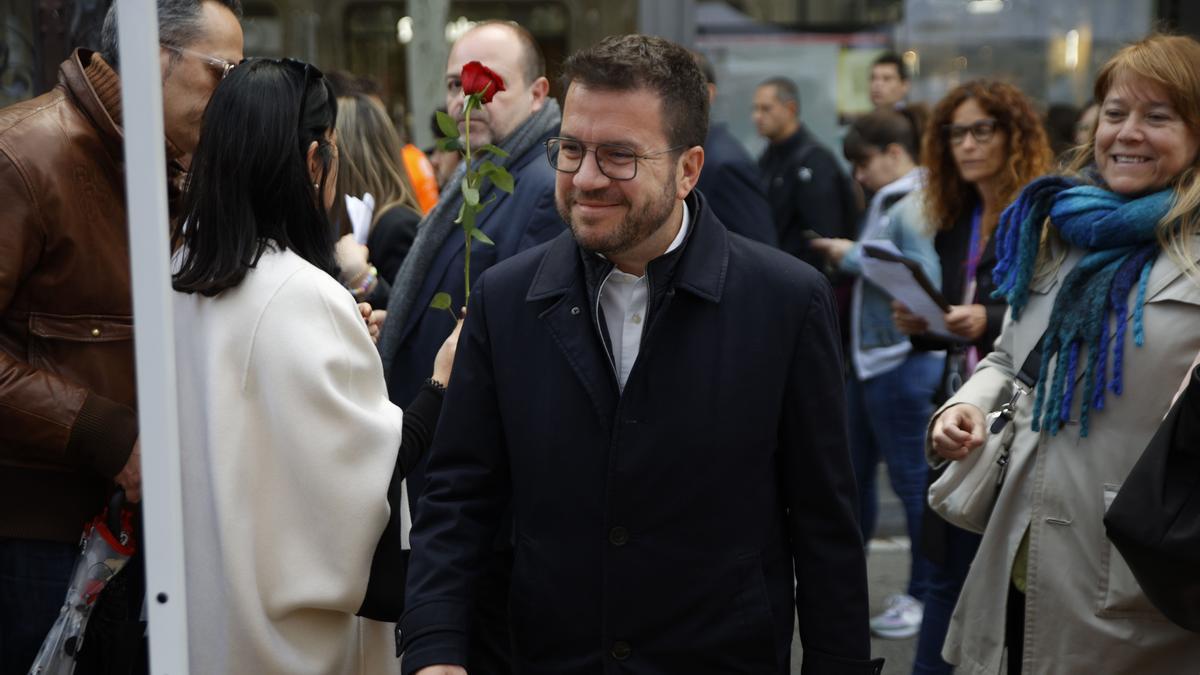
(33, 584)
(945, 584)
(1014, 629)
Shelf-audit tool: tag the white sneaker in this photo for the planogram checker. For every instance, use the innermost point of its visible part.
(901, 619)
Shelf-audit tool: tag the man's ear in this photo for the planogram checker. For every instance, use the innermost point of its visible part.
(314, 162)
(793, 108)
(690, 164)
(539, 90)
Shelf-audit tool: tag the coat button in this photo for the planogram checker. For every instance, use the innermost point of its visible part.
(95, 332)
(618, 536)
(621, 650)
(575, 310)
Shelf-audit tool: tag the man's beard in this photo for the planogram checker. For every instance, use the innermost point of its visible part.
(634, 228)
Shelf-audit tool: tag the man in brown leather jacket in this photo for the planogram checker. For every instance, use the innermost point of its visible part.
(68, 421)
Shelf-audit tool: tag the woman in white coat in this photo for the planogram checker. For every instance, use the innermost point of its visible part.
(1106, 295)
(289, 442)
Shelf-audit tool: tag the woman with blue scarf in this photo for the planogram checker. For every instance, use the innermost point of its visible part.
(1097, 271)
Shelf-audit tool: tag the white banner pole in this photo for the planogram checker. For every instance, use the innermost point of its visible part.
(149, 246)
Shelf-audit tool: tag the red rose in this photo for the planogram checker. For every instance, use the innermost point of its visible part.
(477, 78)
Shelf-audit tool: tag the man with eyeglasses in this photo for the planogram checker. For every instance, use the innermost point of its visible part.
(68, 420)
(519, 119)
(658, 405)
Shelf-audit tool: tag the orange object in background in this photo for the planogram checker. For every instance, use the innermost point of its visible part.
(421, 175)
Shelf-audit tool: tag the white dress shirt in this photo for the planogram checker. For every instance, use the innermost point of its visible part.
(623, 298)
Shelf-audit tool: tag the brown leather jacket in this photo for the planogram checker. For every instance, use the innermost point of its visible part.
(67, 393)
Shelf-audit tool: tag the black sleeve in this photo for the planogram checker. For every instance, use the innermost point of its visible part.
(824, 204)
(818, 489)
(385, 588)
(378, 299)
(420, 421)
(390, 239)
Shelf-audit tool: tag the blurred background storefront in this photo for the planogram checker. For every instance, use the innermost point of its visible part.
(1050, 48)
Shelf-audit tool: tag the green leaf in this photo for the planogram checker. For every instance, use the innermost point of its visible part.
(502, 179)
(441, 301)
(447, 124)
(449, 144)
(479, 235)
(470, 195)
(487, 167)
(466, 216)
(499, 152)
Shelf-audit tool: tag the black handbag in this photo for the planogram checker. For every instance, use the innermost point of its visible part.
(1154, 521)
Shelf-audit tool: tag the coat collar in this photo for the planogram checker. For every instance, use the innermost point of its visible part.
(701, 267)
(96, 90)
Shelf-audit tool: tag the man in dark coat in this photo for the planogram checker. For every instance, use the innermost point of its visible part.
(809, 194)
(519, 120)
(730, 180)
(659, 404)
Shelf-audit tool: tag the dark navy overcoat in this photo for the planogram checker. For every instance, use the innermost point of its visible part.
(674, 528)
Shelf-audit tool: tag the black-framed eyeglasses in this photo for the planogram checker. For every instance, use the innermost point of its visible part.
(617, 162)
(981, 130)
(219, 65)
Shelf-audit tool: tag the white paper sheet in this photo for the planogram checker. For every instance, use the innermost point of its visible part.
(360, 212)
(897, 280)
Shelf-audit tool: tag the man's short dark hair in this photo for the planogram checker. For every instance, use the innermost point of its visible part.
(785, 90)
(892, 59)
(630, 62)
(531, 54)
(179, 25)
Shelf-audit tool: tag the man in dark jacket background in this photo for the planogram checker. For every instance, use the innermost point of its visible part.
(730, 180)
(68, 420)
(809, 194)
(659, 406)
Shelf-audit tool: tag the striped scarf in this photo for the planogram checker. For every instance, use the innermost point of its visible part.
(1118, 234)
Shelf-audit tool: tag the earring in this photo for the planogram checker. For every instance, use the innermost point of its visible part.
(316, 186)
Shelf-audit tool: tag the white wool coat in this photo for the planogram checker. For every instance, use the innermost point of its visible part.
(288, 444)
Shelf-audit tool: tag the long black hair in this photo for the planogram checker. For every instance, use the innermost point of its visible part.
(249, 186)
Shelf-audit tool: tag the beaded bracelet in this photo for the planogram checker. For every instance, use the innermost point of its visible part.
(362, 289)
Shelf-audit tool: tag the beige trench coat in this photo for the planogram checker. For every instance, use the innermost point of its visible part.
(1084, 613)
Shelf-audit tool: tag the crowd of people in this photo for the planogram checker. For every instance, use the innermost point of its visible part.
(673, 381)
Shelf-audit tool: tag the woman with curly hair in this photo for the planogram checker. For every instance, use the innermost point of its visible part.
(1088, 262)
(983, 142)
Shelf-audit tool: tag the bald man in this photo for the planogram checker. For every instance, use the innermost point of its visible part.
(519, 119)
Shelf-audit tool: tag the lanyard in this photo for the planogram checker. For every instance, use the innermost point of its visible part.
(974, 254)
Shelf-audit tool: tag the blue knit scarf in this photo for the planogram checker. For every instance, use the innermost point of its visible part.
(1119, 235)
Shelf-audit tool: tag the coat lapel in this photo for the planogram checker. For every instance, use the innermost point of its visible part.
(569, 318)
